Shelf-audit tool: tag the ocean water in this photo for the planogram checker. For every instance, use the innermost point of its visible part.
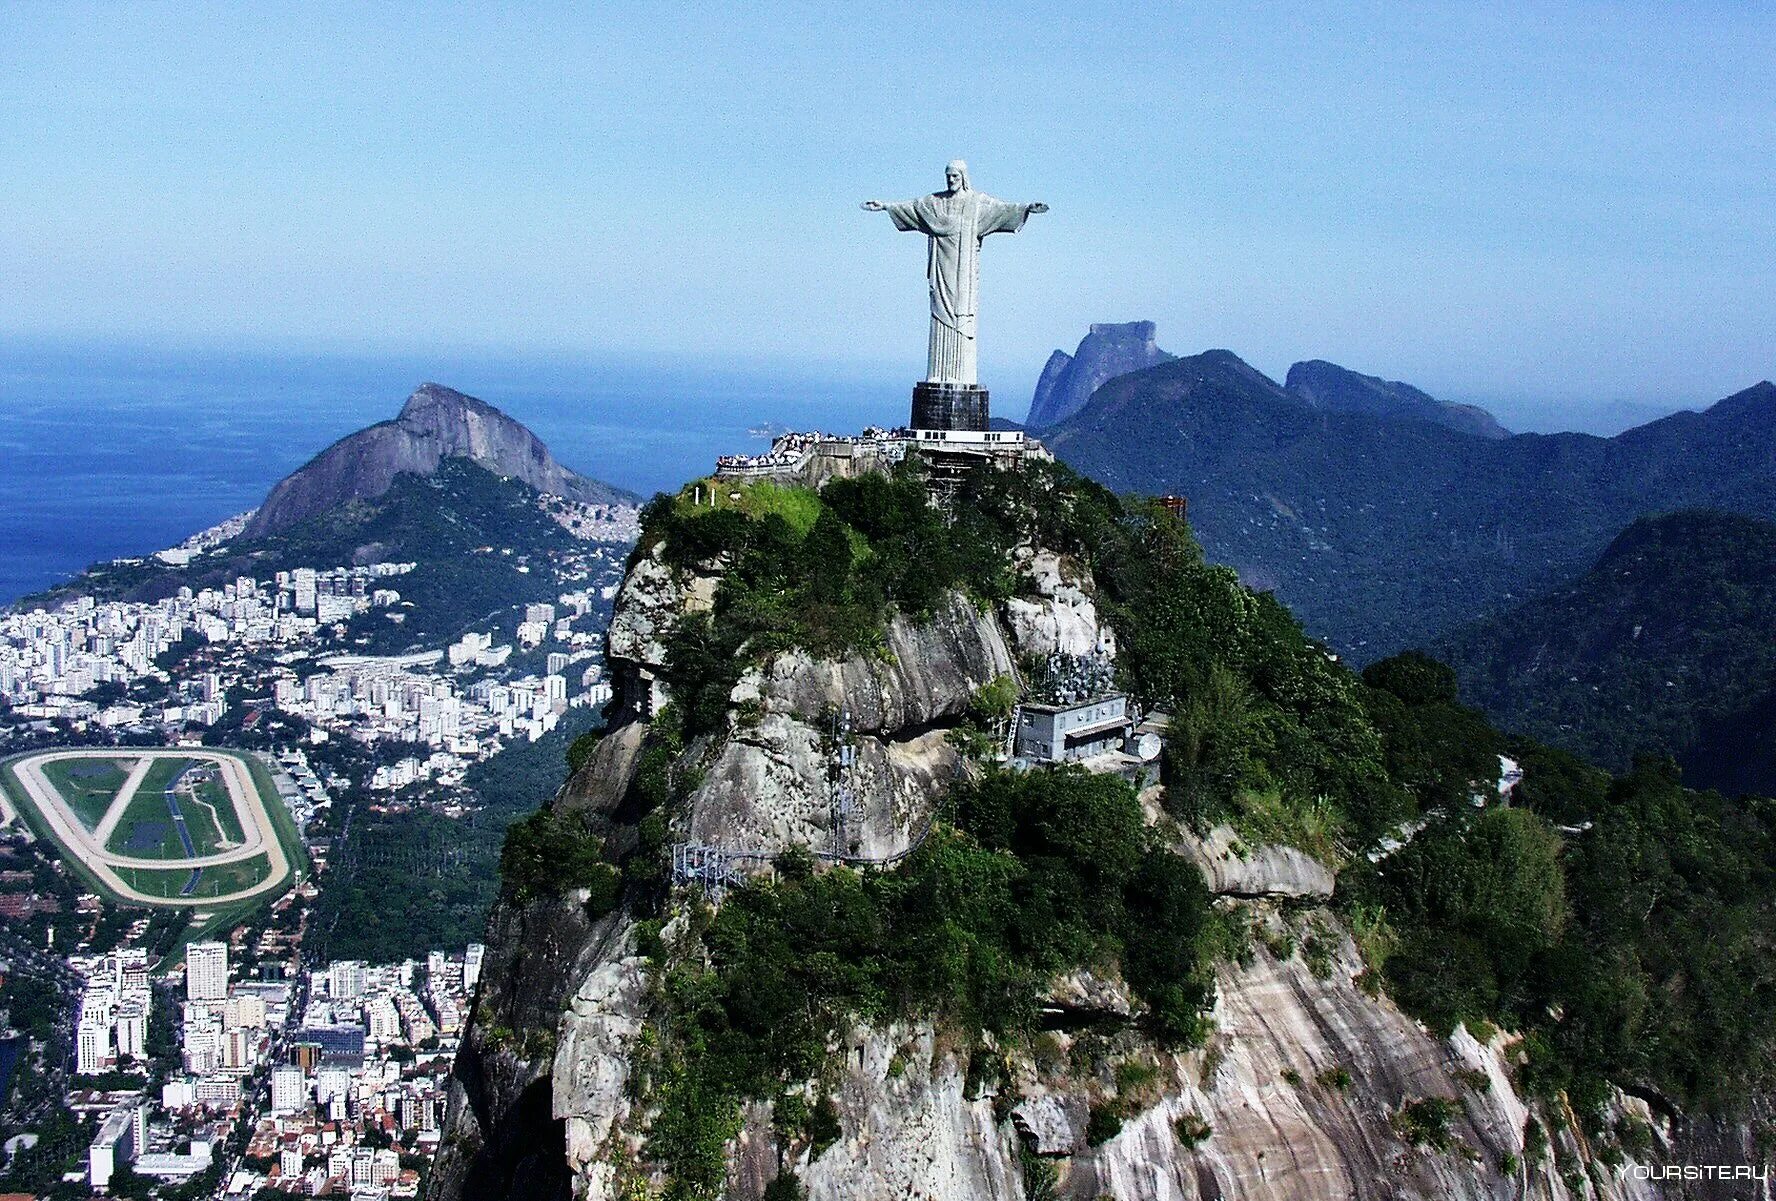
(109, 451)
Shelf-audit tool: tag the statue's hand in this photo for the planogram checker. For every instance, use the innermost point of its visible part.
(873, 206)
(1038, 207)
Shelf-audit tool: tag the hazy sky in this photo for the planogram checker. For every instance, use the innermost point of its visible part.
(1516, 203)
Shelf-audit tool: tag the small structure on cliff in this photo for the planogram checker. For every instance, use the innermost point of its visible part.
(1076, 730)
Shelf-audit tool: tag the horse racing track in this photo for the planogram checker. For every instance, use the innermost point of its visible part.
(160, 826)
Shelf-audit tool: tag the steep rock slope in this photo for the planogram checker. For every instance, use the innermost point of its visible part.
(435, 424)
(589, 1069)
(1107, 351)
(1383, 533)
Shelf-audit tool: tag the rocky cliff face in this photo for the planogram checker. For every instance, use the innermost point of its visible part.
(1068, 380)
(1311, 1087)
(437, 423)
(1328, 386)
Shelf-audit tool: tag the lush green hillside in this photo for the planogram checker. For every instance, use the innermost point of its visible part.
(444, 868)
(1386, 532)
(1489, 913)
(1667, 644)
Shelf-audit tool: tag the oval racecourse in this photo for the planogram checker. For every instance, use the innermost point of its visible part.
(169, 826)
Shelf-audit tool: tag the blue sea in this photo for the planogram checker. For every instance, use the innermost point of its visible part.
(108, 451)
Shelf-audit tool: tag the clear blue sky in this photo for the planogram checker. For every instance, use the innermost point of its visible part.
(1537, 202)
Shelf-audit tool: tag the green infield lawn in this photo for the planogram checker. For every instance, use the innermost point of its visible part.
(283, 825)
(147, 830)
(221, 881)
(88, 785)
(213, 811)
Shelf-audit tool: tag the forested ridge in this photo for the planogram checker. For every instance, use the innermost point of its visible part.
(1666, 645)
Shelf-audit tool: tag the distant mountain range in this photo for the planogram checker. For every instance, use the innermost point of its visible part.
(436, 423)
(1668, 643)
(1109, 351)
(1336, 389)
(1387, 519)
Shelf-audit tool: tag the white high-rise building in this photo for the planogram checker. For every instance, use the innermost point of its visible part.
(203, 1047)
(247, 1009)
(206, 971)
(92, 1046)
(132, 1029)
(382, 1024)
(472, 966)
(345, 978)
(289, 1093)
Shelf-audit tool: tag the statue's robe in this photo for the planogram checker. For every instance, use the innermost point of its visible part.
(955, 223)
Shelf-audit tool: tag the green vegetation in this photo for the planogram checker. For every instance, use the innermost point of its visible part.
(1268, 729)
(1038, 874)
(1632, 952)
(220, 881)
(210, 813)
(146, 830)
(1425, 1122)
(1388, 533)
(1629, 953)
(88, 785)
(815, 571)
(1477, 904)
(446, 868)
(1192, 1131)
(1667, 645)
(550, 852)
(1102, 1123)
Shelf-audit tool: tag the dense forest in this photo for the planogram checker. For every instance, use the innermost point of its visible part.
(407, 881)
(1666, 645)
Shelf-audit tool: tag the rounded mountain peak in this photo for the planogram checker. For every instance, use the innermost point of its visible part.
(431, 398)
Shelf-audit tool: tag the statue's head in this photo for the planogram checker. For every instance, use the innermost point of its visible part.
(956, 175)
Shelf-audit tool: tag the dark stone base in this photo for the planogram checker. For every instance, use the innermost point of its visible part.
(949, 406)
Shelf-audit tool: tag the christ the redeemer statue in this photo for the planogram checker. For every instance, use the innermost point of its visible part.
(955, 221)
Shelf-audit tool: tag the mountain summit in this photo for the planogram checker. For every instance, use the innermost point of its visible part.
(435, 424)
(1107, 351)
(1667, 644)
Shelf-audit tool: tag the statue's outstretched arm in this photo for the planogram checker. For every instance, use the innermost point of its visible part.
(1038, 207)
(873, 206)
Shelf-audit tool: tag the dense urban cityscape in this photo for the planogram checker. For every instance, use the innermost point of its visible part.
(212, 1051)
(330, 1082)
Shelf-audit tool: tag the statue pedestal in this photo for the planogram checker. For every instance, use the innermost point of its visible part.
(940, 406)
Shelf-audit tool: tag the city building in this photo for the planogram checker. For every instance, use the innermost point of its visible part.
(206, 971)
